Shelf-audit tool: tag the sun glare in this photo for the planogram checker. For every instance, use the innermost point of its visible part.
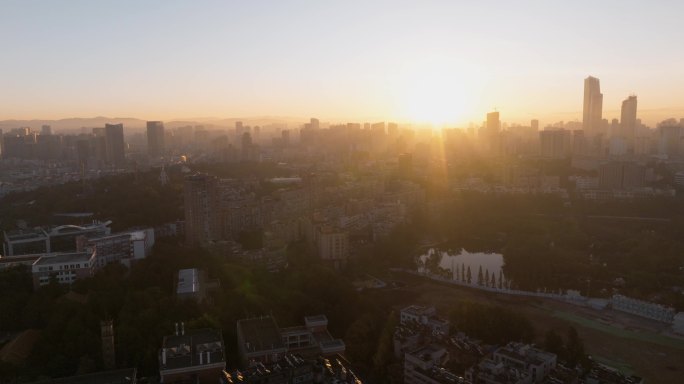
(436, 92)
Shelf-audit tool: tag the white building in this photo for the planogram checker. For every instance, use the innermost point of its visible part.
(643, 308)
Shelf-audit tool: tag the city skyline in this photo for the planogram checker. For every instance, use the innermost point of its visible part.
(435, 63)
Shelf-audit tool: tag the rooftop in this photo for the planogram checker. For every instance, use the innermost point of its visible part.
(188, 281)
(184, 350)
(61, 258)
(260, 333)
(121, 376)
(25, 234)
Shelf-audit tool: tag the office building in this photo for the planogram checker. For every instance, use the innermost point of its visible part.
(125, 248)
(65, 268)
(155, 138)
(592, 113)
(25, 242)
(114, 141)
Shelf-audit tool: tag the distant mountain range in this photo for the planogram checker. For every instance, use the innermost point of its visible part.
(133, 125)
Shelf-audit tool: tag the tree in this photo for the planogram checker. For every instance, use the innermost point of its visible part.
(479, 276)
(470, 275)
(385, 350)
(500, 278)
(463, 277)
(486, 280)
(553, 342)
(574, 347)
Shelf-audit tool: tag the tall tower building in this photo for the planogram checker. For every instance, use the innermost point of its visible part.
(593, 107)
(155, 138)
(493, 123)
(114, 141)
(202, 209)
(628, 120)
(108, 351)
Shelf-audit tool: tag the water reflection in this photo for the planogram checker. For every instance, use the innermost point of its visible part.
(456, 264)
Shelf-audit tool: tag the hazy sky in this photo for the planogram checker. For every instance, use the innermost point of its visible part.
(445, 61)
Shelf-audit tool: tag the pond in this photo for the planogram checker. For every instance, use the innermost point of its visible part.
(455, 261)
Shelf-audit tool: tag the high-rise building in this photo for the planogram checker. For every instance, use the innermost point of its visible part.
(114, 139)
(491, 133)
(555, 144)
(155, 138)
(202, 209)
(493, 124)
(46, 130)
(108, 346)
(534, 124)
(592, 112)
(628, 120)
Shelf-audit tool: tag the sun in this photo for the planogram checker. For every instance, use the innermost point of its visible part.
(435, 92)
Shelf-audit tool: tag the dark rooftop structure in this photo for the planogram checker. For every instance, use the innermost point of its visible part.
(258, 338)
(197, 354)
(121, 376)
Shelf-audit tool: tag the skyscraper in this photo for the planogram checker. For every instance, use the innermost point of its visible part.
(114, 139)
(155, 138)
(493, 123)
(628, 120)
(593, 107)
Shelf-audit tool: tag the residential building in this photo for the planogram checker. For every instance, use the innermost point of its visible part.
(526, 358)
(423, 365)
(426, 316)
(556, 143)
(202, 209)
(333, 245)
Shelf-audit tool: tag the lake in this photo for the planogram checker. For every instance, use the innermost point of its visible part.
(450, 260)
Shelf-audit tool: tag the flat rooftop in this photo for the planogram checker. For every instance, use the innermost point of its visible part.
(260, 333)
(26, 234)
(121, 376)
(188, 281)
(60, 258)
(183, 350)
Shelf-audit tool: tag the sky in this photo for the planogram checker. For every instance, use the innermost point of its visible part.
(445, 62)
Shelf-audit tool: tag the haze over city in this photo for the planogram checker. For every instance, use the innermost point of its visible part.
(341, 192)
(441, 62)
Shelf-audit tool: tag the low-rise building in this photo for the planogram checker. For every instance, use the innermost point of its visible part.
(423, 365)
(25, 242)
(65, 268)
(426, 316)
(260, 340)
(526, 358)
(643, 308)
(125, 248)
(195, 356)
